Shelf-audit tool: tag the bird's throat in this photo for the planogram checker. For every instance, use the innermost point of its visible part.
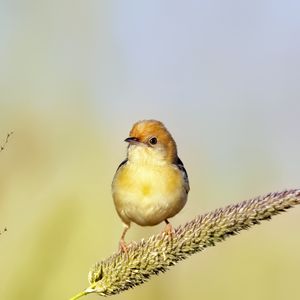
(143, 154)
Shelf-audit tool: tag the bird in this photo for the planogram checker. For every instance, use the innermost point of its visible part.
(151, 185)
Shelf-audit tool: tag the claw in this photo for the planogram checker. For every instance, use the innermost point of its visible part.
(123, 246)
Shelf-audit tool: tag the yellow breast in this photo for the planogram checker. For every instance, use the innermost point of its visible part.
(147, 193)
(147, 180)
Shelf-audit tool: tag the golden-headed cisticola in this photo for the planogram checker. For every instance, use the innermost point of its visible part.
(151, 185)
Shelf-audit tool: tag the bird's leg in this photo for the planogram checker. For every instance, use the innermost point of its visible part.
(122, 244)
(169, 229)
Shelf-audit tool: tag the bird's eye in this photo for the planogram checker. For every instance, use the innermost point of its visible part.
(153, 140)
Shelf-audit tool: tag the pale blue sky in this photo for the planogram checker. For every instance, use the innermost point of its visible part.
(224, 76)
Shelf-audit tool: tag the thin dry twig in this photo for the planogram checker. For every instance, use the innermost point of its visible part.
(156, 254)
(2, 147)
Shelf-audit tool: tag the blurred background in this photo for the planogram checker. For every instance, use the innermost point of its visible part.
(75, 75)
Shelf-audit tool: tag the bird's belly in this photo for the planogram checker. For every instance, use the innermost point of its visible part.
(149, 195)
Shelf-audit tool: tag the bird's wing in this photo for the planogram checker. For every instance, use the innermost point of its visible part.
(122, 163)
(180, 166)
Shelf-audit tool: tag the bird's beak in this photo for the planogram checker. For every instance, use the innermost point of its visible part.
(132, 140)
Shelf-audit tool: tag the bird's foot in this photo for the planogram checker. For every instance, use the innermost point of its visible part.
(123, 246)
(169, 230)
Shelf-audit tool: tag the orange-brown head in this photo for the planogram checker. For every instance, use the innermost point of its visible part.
(155, 139)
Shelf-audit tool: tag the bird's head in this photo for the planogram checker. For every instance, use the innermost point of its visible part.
(149, 140)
